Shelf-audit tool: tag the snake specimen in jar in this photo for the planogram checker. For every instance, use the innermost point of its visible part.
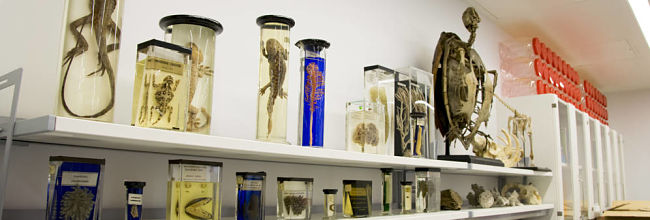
(276, 56)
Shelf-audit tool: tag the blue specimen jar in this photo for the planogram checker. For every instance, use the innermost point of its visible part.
(74, 188)
(312, 96)
(250, 196)
(134, 192)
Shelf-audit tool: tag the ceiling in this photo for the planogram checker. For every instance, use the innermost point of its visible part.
(599, 38)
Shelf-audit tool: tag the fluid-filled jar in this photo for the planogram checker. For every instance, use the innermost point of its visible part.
(272, 90)
(134, 192)
(193, 190)
(387, 191)
(427, 189)
(250, 195)
(311, 119)
(364, 127)
(89, 53)
(294, 198)
(357, 198)
(198, 34)
(329, 203)
(407, 195)
(74, 188)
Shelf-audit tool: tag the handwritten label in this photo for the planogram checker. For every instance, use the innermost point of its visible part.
(69, 178)
(196, 173)
(134, 199)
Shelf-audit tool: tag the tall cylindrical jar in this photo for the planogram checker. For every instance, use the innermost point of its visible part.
(198, 34)
(250, 196)
(134, 192)
(272, 91)
(193, 190)
(387, 190)
(311, 118)
(427, 189)
(329, 204)
(90, 42)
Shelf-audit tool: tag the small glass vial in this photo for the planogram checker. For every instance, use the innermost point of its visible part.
(379, 86)
(272, 90)
(193, 190)
(294, 197)
(198, 34)
(134, 192)
(311, 119)
(161, 85)
(427, 189)
(250, 195)
(387, 187)
(357, 198)
(329, 205)
(74, 188)
(364, 127)
(407, 191)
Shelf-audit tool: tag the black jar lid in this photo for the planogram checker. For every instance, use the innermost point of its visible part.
(373, 67)
(360, 182)
(296, 179)
(196, 162)
(275, 18)
(418, 114)
(313, 44)
(190, 19)
(406, 183)
(425, 169)
(134, 184)
(78, 159)
(261, 173)
(330, 191)
(163, 44)
(386, 170)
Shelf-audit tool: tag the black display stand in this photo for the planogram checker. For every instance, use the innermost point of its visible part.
(535, 168)
(468, 158)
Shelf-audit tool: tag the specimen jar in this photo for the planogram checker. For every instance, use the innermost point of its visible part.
(74, 188)
(364, 127)
(193, 190)
(198, 34)
(250, 195)
(357, 198)
(272, 90)
(387, 190)
(134, 191)
(407, 191)
(329, 205)
(427, 189)
(379, 86)
(89, 47)
(161, 85)
(294, 197)
(411, 119)
(311, 119)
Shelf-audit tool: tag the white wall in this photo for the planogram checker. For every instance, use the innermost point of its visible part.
(628, 115)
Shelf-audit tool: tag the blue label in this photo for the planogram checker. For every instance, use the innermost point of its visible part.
(75, 201)
(313, 112)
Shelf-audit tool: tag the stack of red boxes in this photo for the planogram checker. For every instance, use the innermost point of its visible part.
(558, 77)
(596, 103)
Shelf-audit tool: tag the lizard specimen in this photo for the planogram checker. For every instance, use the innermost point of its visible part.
(276, 56)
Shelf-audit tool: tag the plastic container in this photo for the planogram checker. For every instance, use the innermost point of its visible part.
(250, 195)
(311, 119)
(329, 205)
(89, 54)
(272, 90)
(418, 85)
(364, 127)
(134, 192)
(407, 195)
(160, 87)
(193, 190)
(357, 198)
(379, 86)
(74, 188)
(198, 34)
(387, 191)
(427, 189)
(294, 198)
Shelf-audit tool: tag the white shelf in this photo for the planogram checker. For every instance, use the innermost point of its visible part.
(477, 213)
(441, 215)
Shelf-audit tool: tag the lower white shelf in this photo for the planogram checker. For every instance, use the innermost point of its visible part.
(477, 213)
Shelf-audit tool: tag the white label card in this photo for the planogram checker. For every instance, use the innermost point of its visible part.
(196, 173)
(134, 199)
(252, 185)
(69, 178)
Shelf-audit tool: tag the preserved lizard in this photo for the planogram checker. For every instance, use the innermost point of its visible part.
(276, 55)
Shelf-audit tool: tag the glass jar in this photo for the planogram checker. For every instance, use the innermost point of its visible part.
(89, 54)
(413, 84)
(329, 205)
(311, 119)
(364, 127)
(272, 90)
(161, 85)
(387, 186)
(427, 189)
(407, 191)
(74, 188)
(250, 195)
(294, 198)
(193, 190)
(198, 34)
(134, 191)
(357, 198)
(379, 86)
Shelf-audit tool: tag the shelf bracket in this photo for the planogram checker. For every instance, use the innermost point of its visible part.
(7, 129)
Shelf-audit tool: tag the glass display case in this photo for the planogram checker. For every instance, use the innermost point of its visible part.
(597, 165)
(387, 191)
(74, 188)
(427, 189)
(294, 197)
(407, 195)
(311, 119)
(250, 195)
(198, 34)
(88, 63)
(272, 90)
(584, 164)
(569, 184)
(364, 127)
(329, 204)
(419, 86)
(193, 190)
(607, 166)
(379, 86)
(160, 87)
(357, 198)
(134, 191)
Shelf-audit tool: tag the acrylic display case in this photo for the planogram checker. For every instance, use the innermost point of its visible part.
(329, 203)
(193, 190)
(160, 91)
(89, 54)
(364, 127)
(407, 196)
(272, 93)
(387, 191)
(379, 86)
(294, 197)
(198, 34)
(134, 191)
(311, 119)
(357, 198)
(250, 195)
(584, 164)
(427, 189)
(74, 188)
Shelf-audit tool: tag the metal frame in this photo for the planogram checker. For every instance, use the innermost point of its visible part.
(12, 78)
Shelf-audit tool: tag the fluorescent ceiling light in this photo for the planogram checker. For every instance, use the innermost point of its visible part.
(641, 10)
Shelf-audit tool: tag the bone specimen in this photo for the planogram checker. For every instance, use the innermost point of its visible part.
(276, 56)
(450, 200)
(198, 71)
(528, 194)
(480, 197)
(507, 153)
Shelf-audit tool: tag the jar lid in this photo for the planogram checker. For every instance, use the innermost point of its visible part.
(296, 179)
(316, 44)
(386, 170)
(196, 162)
(275, 18)
(163, 44)
(406, 183)
(424, 169)
(77, 159)
(330, 191)
(190, 19)
(134, 184)
(374, 67)
(365, 182)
